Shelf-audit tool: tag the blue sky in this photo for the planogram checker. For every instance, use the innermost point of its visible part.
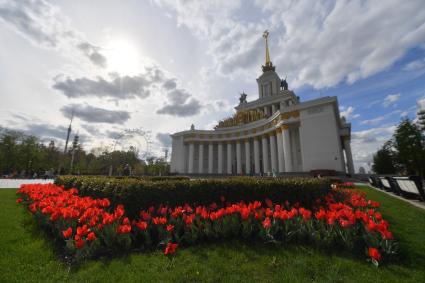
(162, 65)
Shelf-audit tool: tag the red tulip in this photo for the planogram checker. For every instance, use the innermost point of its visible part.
(142, 225)
(105, 202)
(267, 223)
(79, 243)
(170, 249)
(374, 253)
(123, 229)
(91, 236)
(67, 233)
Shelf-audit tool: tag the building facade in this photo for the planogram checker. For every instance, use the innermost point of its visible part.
(275, 133)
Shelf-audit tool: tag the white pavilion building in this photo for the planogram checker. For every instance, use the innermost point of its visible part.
(275, 133)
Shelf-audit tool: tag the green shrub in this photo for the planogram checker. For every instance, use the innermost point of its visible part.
(166, 178)
(137, 194)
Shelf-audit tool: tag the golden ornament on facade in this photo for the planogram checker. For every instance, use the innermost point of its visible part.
(240, 118)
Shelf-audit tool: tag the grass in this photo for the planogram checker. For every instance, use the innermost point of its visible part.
(27, 255)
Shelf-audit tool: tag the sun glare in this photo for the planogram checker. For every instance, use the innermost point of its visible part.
(122, 57)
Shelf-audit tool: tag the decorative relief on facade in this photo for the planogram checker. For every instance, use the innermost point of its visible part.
(287, 115)
(241, 117)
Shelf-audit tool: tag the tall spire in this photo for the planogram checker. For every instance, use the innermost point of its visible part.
(268, 66)
(69, 132)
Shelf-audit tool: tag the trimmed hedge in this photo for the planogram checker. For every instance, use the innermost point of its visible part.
(166, 178)
(145, 177)
(137, 194)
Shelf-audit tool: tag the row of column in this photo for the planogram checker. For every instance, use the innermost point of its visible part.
(277, 143)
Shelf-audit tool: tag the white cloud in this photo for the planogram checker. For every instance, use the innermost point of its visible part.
(45, 26)
(421, 104)
(348, 112)
(365, 143)
(320, 43)
(391, 99)
(415, 65)
(381, 118)
(373, 121)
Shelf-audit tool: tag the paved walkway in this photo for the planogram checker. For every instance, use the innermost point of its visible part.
(16, 183)
(414, 202)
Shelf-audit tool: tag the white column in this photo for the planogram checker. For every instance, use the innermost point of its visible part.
(344, 165)
(201, 158)
(265, 144)
(350, 164)
(191, 157)
(287, 149)
(273, 153)
(257, 155)
(247, 157)
(238, 158)
(220, 158)
(210, 158)
(229, 158)
(265, 110)
(280, 159)
(273, 108)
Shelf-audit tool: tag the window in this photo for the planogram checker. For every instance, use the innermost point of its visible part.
(266, 90)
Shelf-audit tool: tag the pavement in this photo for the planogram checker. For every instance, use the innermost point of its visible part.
(16, 183)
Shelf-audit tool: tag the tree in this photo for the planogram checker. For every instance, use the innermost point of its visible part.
(20, 152)
(409, 144)
(30, 156)
(74, 153)
(9, 151)
(384, 161)
(157, 166)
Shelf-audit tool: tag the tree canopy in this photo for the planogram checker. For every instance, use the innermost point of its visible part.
(404, 153)
(26, 155)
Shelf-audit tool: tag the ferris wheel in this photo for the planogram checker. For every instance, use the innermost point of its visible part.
(137, 140)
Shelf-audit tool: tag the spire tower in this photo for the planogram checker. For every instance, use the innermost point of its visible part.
(268, 66)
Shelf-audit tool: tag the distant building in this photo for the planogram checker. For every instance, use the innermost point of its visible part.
(362, 170)
(274, 133)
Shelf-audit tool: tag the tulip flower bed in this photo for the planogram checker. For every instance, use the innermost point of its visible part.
(90, 227)
(136, 194)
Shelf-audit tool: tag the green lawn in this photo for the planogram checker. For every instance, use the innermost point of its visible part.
(26, 255)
